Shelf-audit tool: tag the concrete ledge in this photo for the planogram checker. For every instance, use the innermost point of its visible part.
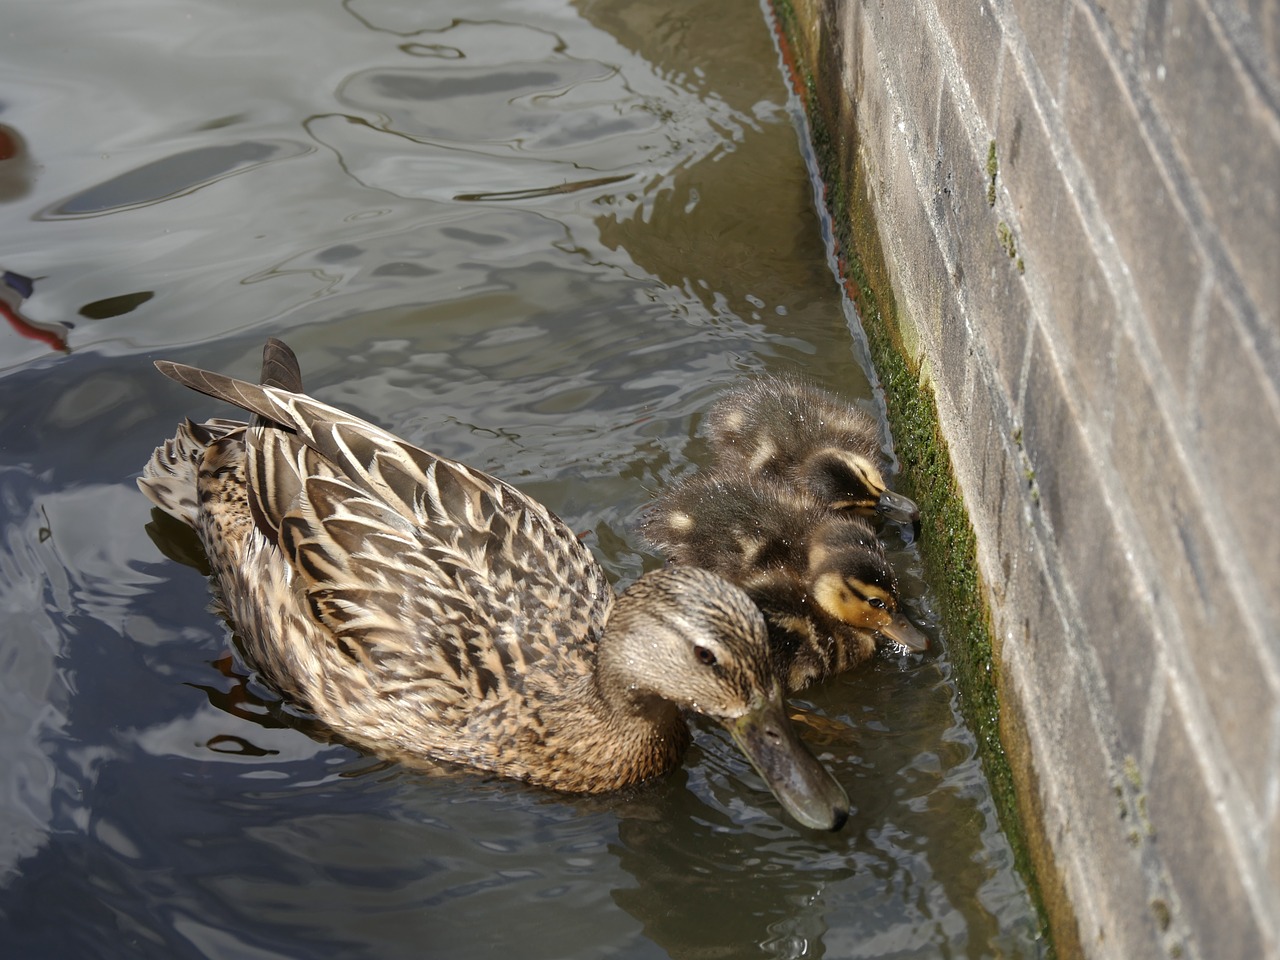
(1062, 223)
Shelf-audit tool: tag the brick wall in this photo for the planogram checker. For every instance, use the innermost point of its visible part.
(1079, 208)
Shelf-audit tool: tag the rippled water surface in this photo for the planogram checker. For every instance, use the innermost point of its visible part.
(535, 236)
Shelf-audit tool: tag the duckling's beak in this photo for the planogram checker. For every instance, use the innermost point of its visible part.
(802, 785)
(903, 632)
(897, 507)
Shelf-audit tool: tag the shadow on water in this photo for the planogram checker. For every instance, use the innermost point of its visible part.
(539, 239)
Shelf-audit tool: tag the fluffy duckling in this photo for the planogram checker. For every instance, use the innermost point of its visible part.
(784, 429)
(427, 611)
(820, 577)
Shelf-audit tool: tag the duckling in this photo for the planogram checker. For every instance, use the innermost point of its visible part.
(785, 429)
(426, 611)
(819, 576)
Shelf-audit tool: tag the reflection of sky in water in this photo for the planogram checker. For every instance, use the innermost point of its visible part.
(539, 239)
(56, 567)
(550, 115)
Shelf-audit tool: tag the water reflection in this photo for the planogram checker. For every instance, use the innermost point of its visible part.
(171, 176)
(540, 240)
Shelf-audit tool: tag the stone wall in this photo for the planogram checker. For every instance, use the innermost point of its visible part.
(1078, 209)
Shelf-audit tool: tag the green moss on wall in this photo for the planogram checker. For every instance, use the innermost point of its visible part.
(993, 168)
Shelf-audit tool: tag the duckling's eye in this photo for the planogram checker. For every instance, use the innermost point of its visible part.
(876, 602)
(705, 656)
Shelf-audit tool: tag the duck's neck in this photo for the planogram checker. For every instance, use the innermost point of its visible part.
(601, 736)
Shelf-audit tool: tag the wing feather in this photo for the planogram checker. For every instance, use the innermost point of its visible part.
(370, 579)
(423, 570)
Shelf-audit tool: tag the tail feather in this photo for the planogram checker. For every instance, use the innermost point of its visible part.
(169, 478)
(280, 367)
(239, 393)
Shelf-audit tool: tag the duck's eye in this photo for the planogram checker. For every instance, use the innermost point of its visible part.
(877, 603)
(705, 656)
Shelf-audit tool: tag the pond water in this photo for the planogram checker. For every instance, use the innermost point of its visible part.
(535, 236)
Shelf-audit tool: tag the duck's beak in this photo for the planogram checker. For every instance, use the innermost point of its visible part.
(897, 507)
(903, 632)
(802, 785)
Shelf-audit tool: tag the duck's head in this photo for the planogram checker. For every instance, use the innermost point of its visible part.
(847, 481)
(696, 641)
(853, 582)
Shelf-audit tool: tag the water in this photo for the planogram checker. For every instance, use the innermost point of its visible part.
(539, 239)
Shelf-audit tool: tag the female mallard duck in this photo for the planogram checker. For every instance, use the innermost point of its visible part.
(820, 577)
(427, 611)
(783, 429)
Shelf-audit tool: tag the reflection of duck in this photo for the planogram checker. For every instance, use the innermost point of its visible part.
(779, 428)
(428, 611)
(820, 577)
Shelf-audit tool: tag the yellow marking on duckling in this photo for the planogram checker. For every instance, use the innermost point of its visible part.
(734, 420)
(680, 521)
(764, 453)
(798, 625)
(751, 548)
(856, 603)
(864, 473)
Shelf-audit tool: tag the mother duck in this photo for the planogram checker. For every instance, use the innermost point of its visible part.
(429, 612)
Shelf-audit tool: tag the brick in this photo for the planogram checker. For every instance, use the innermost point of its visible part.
(953, 351)
(1026, 592)
(1197, 856)
(1191, 586)
(865, 85)
(1122, 16)
(1104, 128)
(912, 253)
(1058, 462)
(1273, 857)
(1052, 241)
(952, 164)
(905, 41)
(988, 449)
(1044, 24)
(976, 37)
(919, 270)
(1116, 625)
(1259, 22)
(1238, 426)
(1048, 668)
(923, 271)
(1091, 553)
(998, 303)
(1011, 536)
(1085, 811)
(987, 280)
(890, 155)
(1224, 135)
(1266, 18)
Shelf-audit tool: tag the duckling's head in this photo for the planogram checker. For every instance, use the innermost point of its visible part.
(846, 480)
(694, 640)
(853, 582)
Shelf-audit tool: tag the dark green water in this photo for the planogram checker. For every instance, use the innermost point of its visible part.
(538, 237)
